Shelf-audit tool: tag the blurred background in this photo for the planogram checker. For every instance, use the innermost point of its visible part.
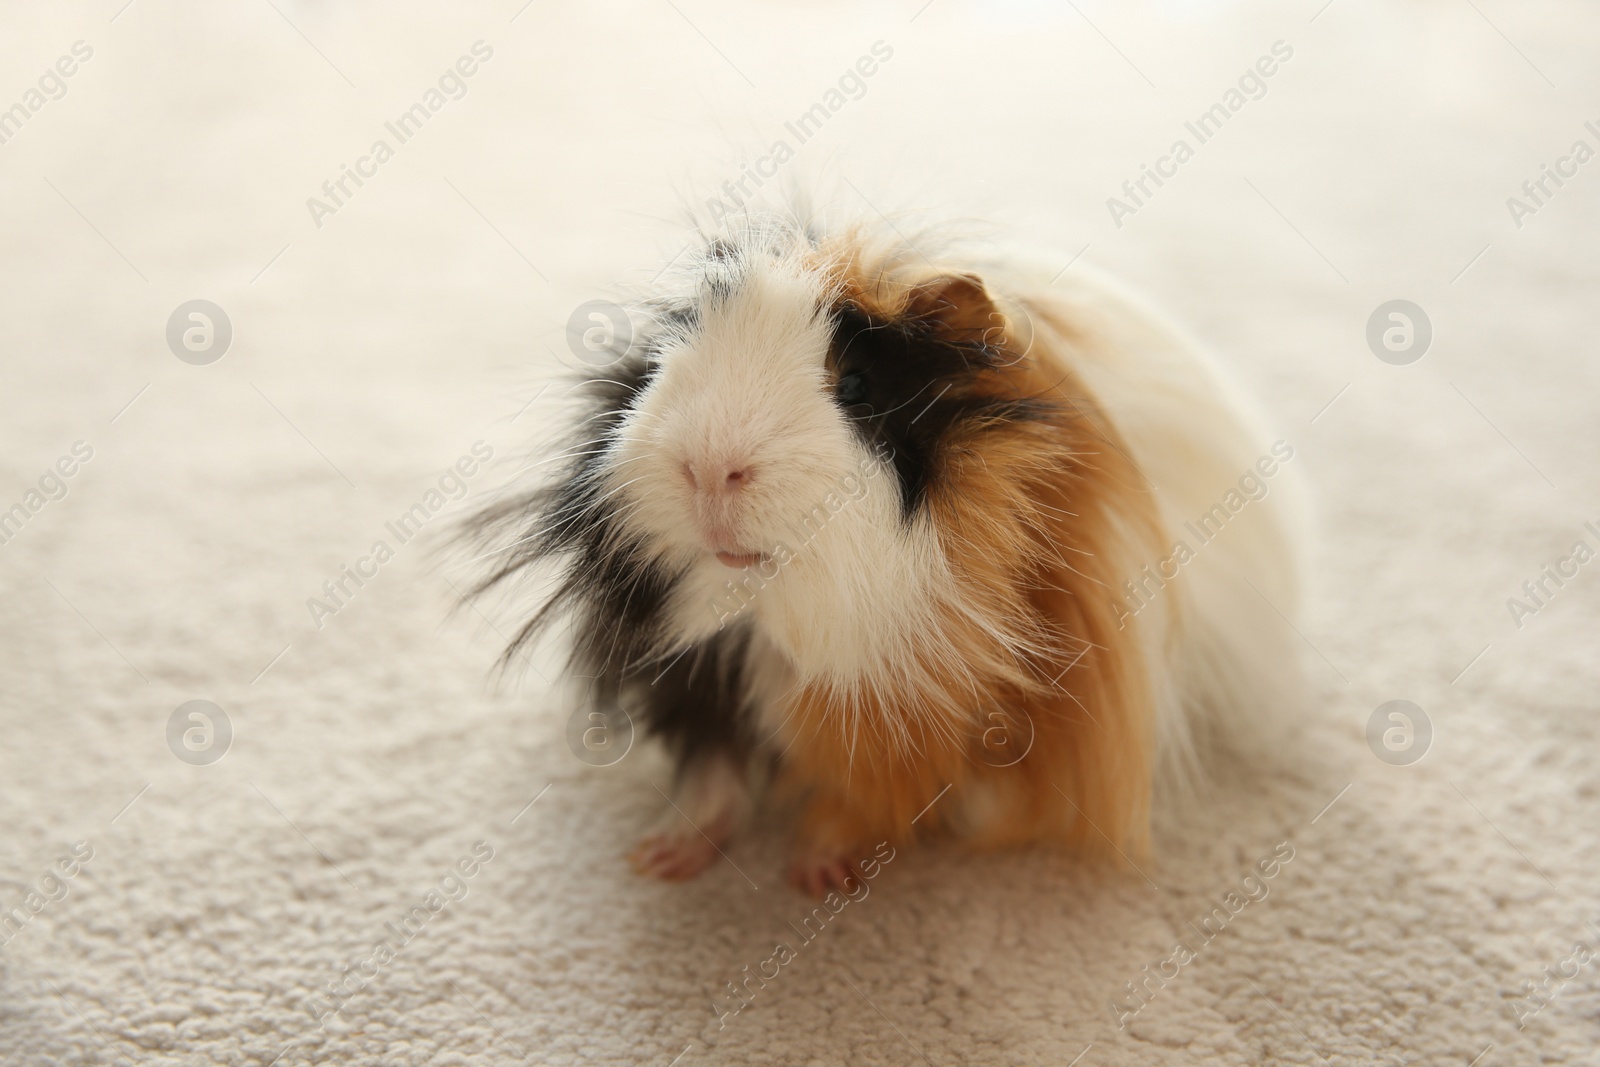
(175, 491)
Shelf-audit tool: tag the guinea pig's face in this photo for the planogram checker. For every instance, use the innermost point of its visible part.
(740, 435)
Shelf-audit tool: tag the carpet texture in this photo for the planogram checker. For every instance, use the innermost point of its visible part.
(378, 788)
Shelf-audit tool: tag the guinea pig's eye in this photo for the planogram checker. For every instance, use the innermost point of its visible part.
(852, 388)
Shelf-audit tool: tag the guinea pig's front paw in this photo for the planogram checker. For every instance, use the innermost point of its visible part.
(713, 801)
(815, 873)
(673, 855)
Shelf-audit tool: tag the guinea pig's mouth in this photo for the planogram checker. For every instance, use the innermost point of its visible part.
(739, 560)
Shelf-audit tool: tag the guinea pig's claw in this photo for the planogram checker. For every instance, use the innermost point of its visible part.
(817, 874)
(673, 856)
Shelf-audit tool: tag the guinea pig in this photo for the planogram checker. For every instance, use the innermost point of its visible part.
(919, 546)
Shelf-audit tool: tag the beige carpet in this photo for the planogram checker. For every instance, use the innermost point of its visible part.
(376, 788)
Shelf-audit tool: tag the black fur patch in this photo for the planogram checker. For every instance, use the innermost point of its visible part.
(613, 590)
(611, 586)
(697, 702)
(907, 389)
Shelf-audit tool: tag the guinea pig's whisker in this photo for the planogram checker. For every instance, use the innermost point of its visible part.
(592, 508)
(587, 419)
(616, 489)
(567, 455)
(897, 407)
(503, 551)
(573, 455)
(561, 518)
(631, 459)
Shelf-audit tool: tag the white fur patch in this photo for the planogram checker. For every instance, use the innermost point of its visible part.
(846, 586)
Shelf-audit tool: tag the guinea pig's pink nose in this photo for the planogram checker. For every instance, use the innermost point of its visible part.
(717, 478)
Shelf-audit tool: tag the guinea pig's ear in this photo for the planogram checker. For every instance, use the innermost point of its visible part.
(958, 307)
